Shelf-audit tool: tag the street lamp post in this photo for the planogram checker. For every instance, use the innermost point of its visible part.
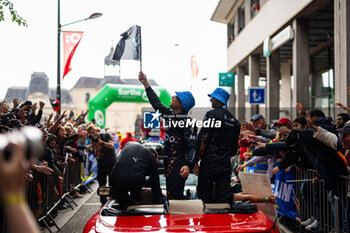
(59, 26)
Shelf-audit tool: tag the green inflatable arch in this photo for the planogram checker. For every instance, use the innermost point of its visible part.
(111, 93)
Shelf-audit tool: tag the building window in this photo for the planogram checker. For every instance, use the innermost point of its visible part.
(254, 8)
(322, 89)
(230, 32)
(241, 19)
(87, 97)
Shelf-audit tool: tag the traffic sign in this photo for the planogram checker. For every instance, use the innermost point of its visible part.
(226, 79)
(257, 95)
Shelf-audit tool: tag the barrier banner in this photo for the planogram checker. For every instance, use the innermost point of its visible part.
(285, 193)
(89, 169)
(259, 184)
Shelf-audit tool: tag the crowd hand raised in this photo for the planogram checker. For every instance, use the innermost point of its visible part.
(260, 145)
(309, 121)
(300, 109)
(340, 105)
(343, 106)
(12, 171)
(50, 117)
(5, 107)
(248, 126)
(81, 119)
(275, 170)
(41, 105)
(15, 103)
(316, 180)
(184, 171)
(240, 167)
(63, 115)
(71, 160)
(84, 114)
(64, 164)
(44, 169)
(21, 111)
(2, 106)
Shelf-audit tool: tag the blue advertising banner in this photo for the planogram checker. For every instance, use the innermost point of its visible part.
(285, 194)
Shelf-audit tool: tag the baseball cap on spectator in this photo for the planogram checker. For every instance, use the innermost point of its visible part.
(345, 129)
(220, 94)
(283, 121)
(256, 117)
(186, 99)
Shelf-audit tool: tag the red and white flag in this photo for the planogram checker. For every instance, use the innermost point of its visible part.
(194, 67)
(71, 41)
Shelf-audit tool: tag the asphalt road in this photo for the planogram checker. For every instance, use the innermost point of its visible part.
(76, 223)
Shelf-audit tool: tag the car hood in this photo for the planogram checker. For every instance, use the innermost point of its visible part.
(257, 222)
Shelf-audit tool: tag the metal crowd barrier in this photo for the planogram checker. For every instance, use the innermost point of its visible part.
(43, 196)
(330, 209)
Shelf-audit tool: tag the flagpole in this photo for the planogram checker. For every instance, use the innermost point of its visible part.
(140, 51)
(58, 88)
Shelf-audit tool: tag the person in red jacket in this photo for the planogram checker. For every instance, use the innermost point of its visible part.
(127, 139)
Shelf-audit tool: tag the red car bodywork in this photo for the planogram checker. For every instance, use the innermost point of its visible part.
(257, 222)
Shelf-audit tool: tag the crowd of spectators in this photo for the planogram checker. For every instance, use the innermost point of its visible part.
(310, 141)
(66, 144)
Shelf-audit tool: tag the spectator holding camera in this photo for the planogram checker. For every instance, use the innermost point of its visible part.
(12, 190)
(103, 149)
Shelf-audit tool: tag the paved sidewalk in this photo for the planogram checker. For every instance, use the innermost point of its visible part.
(284, 229)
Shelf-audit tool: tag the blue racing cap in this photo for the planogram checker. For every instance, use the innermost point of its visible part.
(256, 117)
(186, 99)
(220, 94)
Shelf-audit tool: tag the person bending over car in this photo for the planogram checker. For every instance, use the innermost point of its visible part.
(129, 175)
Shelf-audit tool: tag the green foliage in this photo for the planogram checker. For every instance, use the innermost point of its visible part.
(15, 17)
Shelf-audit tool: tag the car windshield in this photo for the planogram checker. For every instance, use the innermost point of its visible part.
(191, 180)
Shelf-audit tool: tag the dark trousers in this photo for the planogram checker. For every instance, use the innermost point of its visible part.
(121, 193)
(222, 180)
(175, 185)
(102, 173)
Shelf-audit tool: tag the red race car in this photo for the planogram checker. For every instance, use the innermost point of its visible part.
(177, 216)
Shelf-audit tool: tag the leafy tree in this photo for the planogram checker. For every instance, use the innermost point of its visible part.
(15, 17)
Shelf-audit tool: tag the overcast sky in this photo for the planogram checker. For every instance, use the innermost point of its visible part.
(164, 23)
